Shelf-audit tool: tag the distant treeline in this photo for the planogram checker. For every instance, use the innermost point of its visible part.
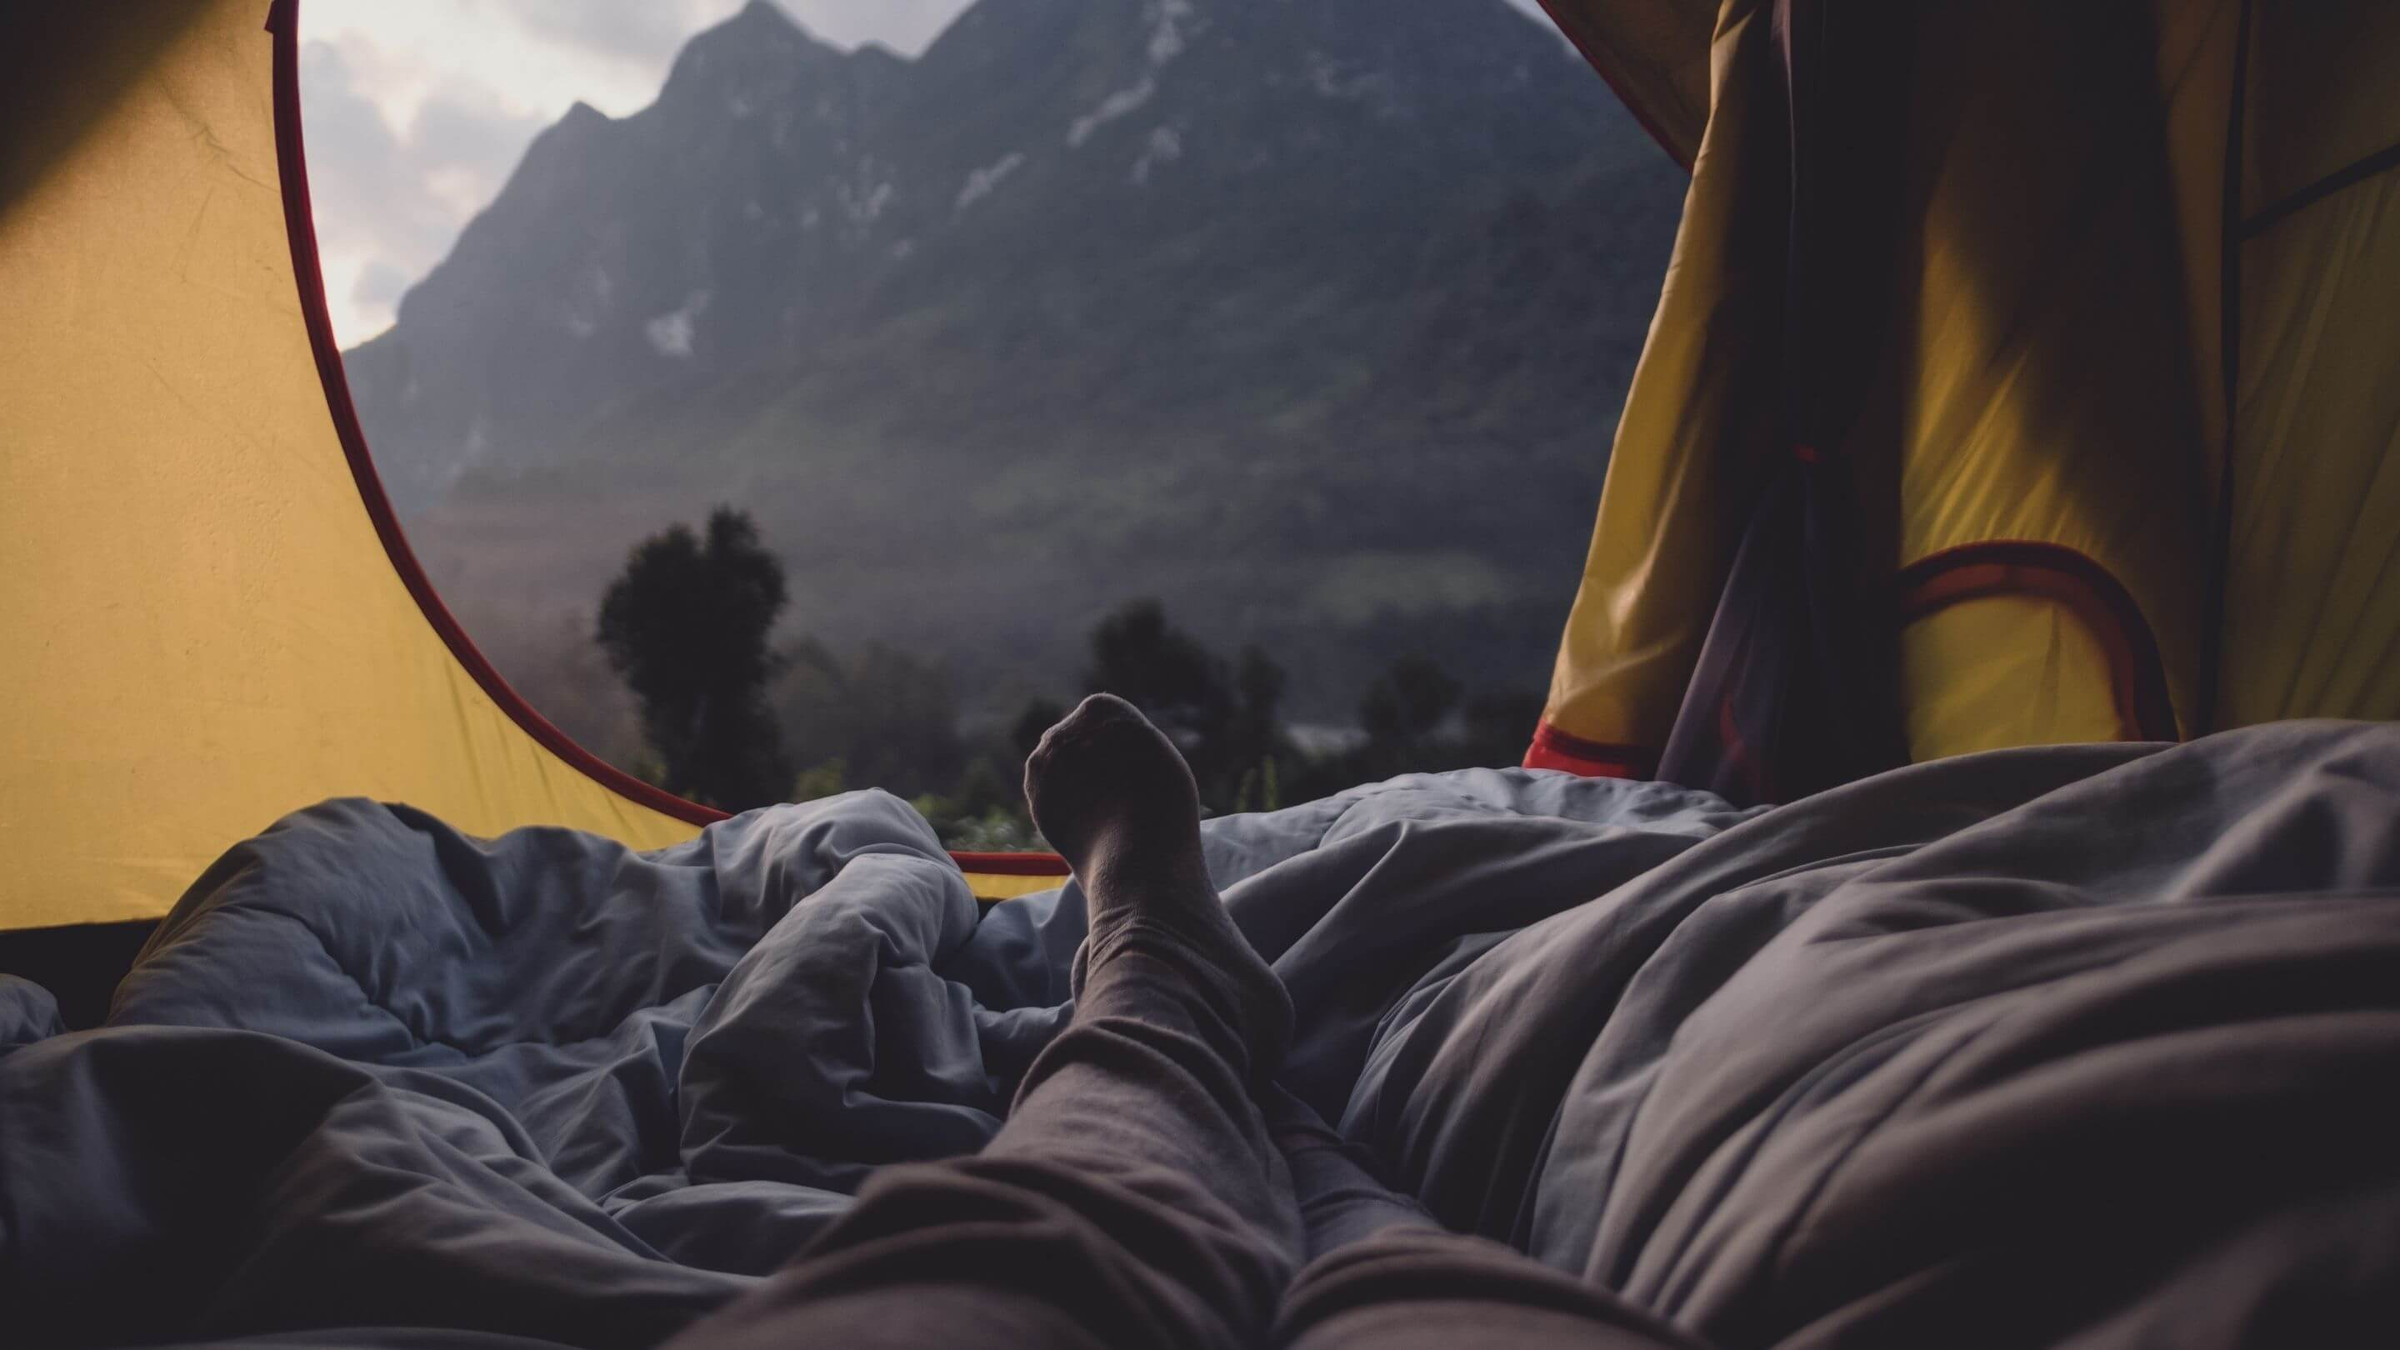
(728, 719)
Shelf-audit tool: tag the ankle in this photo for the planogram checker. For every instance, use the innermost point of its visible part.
(1141, 960)
(1122, 869)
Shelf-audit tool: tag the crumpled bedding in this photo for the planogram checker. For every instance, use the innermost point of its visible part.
(2067, 1046)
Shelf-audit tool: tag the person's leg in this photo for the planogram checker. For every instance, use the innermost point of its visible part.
(1383, 1275)
(1133, 1197)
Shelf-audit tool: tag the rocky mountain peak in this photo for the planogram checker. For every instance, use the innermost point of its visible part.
(1107, 252)
(760, 54)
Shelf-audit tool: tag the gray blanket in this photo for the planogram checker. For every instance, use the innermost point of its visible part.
(2076, 1046)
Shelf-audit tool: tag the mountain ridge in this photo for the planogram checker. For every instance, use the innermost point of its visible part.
(1085, 299)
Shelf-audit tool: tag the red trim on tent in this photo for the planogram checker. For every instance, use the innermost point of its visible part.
(1555, 749)
(1640, 113)
(283, 20)
(1014, 864)
(299, 219)
(2145, 711)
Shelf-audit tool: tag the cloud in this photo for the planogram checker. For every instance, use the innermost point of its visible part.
(417, 112)
(380, 285)
(635, 32)
(646, 31)
(389, 199)
(464, 128)
(905, 26)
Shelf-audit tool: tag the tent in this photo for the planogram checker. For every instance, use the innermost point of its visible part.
(2019, 377)
(2024, 374)
(211, 615)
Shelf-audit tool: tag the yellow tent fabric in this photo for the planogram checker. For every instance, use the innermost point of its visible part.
(1668, 525)
(2088, 536)
(2131, 411)
(204, 629)
(2312, 611)
(1655, 54)
(211, 617)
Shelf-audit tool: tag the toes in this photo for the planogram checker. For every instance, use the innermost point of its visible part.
(1102, 708)
(1103, 764)
(1097, 720)
(1095, 715)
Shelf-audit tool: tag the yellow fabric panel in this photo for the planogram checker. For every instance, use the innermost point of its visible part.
(2003, 671)
(1702, 410)
(2197, 41)
(2052, 369)
(2056, 366)
(2322, 92)
(1008, 886)
(2044, 350)
(203, 629)
(1655, 54)
(2312, 618)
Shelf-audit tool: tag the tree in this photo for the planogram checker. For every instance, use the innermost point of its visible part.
(1500, 724)
(1228, 723)
(1407, 703)
(1162, 670)
(1026, 734)
(884, 718)
(685, 626)
(1257, 754)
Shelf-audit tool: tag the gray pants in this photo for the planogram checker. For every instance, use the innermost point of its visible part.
(1139, 1196)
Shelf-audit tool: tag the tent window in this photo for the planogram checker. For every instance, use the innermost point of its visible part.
(1256, 365)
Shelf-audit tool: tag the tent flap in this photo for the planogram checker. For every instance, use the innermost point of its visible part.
(2140, 337)
(206, 630)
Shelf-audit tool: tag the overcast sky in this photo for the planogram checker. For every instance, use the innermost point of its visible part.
(416, 110)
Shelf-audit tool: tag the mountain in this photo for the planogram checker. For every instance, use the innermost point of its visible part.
(1311, 317)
